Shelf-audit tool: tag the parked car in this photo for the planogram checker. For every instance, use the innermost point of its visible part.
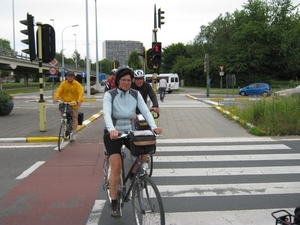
(103, 82)
(256, 89)
(288, 92)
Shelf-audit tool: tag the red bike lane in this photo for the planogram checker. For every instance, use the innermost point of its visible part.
(61, 191)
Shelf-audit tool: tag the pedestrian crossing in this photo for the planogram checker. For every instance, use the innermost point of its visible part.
(234, 182)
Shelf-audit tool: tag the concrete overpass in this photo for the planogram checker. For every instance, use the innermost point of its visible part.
(21, 64)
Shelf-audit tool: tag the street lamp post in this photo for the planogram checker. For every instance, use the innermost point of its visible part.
(97, 64)
(75, 51)
(52, 22)
(62, 52)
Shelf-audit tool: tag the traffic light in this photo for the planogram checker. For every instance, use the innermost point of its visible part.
(149, 63)
(48, 43)
(156, 53)
(160, 17)
(31, 40)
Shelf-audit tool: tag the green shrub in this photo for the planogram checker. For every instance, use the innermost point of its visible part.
(4, 98)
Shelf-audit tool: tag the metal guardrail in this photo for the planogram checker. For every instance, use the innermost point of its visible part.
(25, 57)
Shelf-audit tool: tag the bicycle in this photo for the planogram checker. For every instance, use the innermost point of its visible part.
(141, 124)
(283, 217)
(66, 125)
(142, 191)
(162, 92)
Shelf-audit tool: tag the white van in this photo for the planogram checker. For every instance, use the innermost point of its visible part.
(172, 79)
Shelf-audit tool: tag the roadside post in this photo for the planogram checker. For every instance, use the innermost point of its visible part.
(206, 69)
(221, 76)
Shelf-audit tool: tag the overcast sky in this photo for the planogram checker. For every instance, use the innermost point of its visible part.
(117, 20)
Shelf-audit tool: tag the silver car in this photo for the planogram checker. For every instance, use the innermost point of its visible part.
(288, 92)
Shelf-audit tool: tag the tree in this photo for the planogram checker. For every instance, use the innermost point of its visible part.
(5, 45)
(134, 61)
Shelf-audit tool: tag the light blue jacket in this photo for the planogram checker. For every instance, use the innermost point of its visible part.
(119, 111)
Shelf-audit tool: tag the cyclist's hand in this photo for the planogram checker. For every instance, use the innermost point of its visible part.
(54, 101)
(134, 118)
(114, 134)
(155, 109)
(157, 130)
(79, 103)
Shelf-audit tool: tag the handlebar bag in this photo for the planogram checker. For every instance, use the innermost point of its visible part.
(142, 142)
(61, 108)
(141, 123)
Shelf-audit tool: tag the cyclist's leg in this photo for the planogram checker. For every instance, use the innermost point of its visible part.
(160, 93)
(75, 118)
(113, 148)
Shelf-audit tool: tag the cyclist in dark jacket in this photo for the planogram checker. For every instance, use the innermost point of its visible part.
(145, 89)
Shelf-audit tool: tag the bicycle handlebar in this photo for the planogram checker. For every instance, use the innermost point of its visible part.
(70, 103)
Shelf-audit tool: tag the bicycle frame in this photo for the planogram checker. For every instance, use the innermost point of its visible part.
(137, 162)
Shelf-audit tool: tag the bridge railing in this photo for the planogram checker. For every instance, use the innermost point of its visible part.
(22, 56)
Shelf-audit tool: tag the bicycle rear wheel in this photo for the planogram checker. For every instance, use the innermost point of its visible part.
(147, 203)
(62, 135)
(150, 165)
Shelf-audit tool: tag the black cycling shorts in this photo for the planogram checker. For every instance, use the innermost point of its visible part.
(114, 146)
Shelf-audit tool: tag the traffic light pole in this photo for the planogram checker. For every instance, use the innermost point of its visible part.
(207, 75)
(42, 107)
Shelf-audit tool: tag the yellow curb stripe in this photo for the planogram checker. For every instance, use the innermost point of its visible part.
(53, 139)
(41, 139)
(190, 96)
(217, 99)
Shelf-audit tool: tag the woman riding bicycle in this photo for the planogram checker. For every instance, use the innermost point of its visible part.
(119, 108)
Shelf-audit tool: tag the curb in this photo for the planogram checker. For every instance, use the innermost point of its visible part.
(49, 138)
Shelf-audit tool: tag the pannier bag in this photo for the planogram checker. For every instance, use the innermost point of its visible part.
(61, 108)
(141, 123)
(142, 142)
(80, 118)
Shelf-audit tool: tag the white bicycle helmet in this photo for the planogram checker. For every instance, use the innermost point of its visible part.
(139, 74)
(113, 71)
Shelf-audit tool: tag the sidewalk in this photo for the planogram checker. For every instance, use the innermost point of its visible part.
(22, 125)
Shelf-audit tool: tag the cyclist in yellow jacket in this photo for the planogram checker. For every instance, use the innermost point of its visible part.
(70, 90)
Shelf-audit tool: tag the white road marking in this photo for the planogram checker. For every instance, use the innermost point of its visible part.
(220, 148)
(96, 212)
(223, 158)
(228, 171)
(27, 172)
(229, 189)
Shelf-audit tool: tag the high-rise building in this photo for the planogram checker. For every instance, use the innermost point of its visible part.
(120, 50)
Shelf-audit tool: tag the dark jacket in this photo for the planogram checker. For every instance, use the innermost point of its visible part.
(146, 90)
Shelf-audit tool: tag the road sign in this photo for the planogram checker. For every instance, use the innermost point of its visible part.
(221, 73)
(102, 76)
(53, 70)
(83, 74)
(53, 62)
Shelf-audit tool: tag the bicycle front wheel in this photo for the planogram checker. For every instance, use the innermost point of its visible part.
(61, 135)
(147, 203)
